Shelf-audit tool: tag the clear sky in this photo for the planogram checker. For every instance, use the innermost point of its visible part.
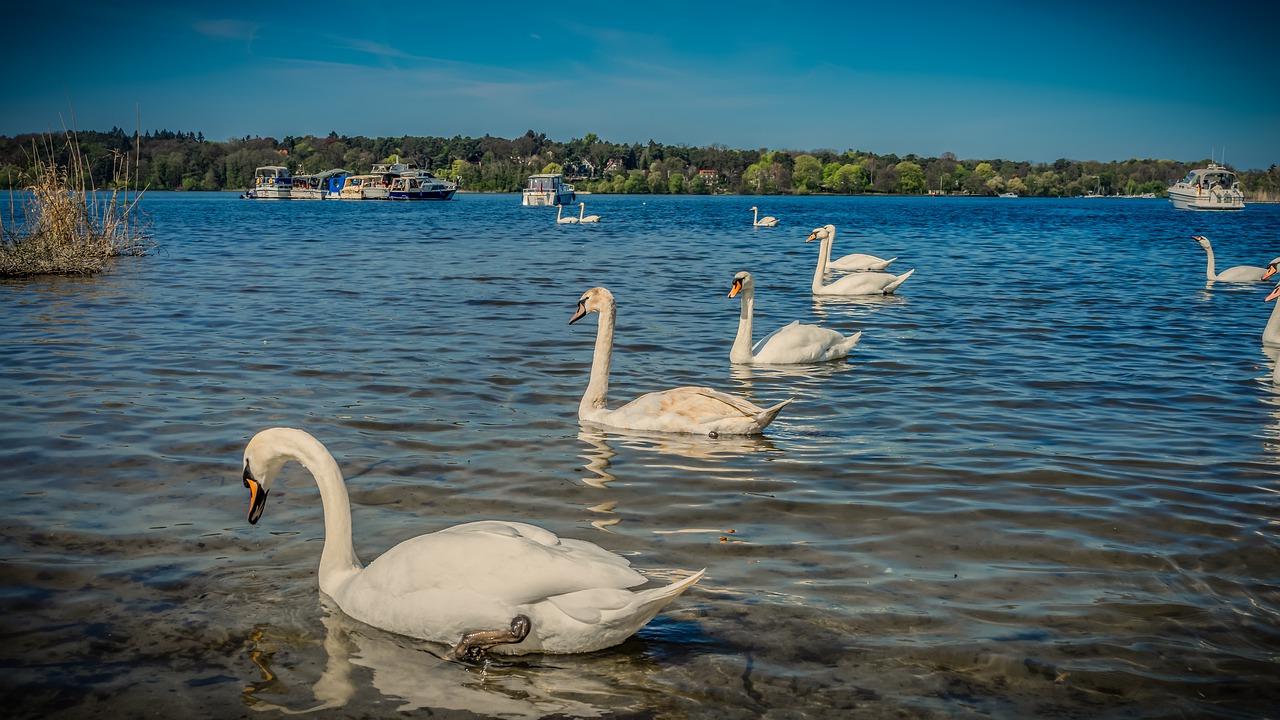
(1030, 81)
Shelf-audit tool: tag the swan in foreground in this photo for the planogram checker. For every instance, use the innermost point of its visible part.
(1271, 334)
(766, 221)
(1239, 273)
(862, 283)
(582, 209)
(857, 262)
(506, 586)
(685, 409)
(788, 345)
(571, 220)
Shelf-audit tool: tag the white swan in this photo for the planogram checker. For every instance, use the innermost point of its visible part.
(1271, 334)
(508, 586)
(582, 209)
(685, 409)
(571, 220)
(858, 262)
(1239, 273)
(788, 345)
(766, 221)
(862, 283)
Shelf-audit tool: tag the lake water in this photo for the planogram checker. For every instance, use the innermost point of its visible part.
(1045, 484)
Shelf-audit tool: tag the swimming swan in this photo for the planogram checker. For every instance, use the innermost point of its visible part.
(1271, 334)
(506, 586)
(788, 345)
(766, 221)
(862, 283)
(1239, 273)
(685, 409)
(857, 262)
(571, 220)
(582, 209)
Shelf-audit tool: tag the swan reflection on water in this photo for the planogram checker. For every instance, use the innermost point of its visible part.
(416, 674)
(600, 451)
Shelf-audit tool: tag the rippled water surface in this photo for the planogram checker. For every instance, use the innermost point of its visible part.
(1043, 485)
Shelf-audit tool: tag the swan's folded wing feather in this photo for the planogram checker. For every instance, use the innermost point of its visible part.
(509, 561)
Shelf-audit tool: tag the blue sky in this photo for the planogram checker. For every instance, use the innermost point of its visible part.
(1021, 81)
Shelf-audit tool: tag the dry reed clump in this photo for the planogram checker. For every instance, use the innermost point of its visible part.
(67, 227)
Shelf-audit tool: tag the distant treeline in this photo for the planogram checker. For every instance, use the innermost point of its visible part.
(166, 160)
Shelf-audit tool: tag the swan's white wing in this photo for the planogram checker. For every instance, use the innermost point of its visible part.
(866, 283)
(796, 343)
(690, 410)
(1242, 273)
(860, 262)
(512, 562)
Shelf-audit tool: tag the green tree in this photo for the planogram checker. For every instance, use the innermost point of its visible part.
(806, 174)
(910, 178)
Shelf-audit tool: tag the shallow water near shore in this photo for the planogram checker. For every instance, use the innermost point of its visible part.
(1043, 485)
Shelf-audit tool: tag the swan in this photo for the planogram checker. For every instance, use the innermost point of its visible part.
(766, 221)
(685, 409)
(582, 209)
(788, 345)
(1239, 273)
(858, 262)
(571, 220)
(863, 283)
(506, 586)
(1271, 334)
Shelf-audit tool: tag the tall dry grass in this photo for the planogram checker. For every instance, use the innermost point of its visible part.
(63, 225)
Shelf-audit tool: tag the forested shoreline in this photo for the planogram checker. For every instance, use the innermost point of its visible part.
(167, 160)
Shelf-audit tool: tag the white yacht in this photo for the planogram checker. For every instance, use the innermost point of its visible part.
(1211, 188)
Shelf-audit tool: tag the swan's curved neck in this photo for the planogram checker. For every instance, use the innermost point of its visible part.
(582, 211)
(1208, 271)
(741, 350)
(597, 395)
(1271, 335)
(338, 561)
(559, 212)
(824, 252)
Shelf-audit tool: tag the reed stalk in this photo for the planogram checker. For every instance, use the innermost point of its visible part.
(62, 224)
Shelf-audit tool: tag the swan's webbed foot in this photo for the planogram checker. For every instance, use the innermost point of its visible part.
(473, 645)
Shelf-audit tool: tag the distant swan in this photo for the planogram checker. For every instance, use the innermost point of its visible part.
(858, 262)
(507, 586)
(788, 345)
(685, 409)
(1239, 273)
(582, 208)
(862, 283)
(564, 220)
(766, 221)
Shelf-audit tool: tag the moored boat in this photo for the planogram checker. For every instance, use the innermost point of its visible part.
(271, 182)
(363, 187)
(548, 189)
(421, 186)
(1210, 188)
(315, 187)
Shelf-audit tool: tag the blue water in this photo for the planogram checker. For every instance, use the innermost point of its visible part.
(1043, 485)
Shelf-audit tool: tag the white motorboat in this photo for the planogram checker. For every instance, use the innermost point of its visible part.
(548, 189)
(314, 187)
(1211, 188)
(363, 187)
(271, 182)
(421, 186)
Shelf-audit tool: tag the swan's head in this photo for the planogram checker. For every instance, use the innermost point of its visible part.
(265, 454)
(595, 300)
(753, 207)
(826, 232)
(741, 281)
(1204, 241)
(1275, 293)
(1272, 267)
